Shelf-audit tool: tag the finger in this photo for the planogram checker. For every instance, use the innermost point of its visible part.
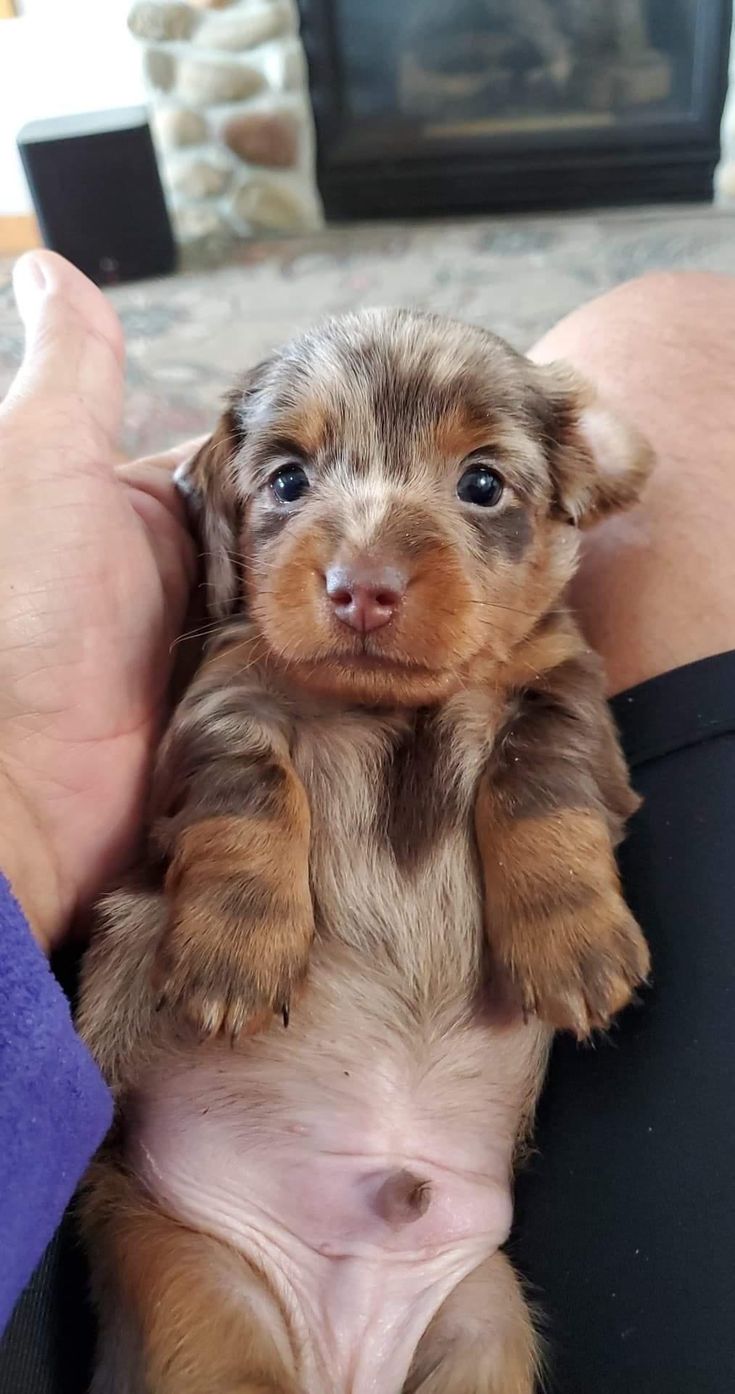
(165, 461)
(153, 474)
(172, 547)
(74, 350)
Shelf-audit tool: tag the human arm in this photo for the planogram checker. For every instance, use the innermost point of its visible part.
(95, 568)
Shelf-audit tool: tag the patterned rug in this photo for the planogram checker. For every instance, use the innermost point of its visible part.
(189, 334)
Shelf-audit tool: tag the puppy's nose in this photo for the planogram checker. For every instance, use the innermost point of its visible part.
(365, 596)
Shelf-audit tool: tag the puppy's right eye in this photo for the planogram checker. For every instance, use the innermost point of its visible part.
(481, 486)
(289, 483)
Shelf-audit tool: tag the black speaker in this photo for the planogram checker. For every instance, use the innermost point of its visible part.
(97, 193)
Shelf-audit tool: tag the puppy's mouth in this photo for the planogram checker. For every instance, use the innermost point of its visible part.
(369, 676)
(375, 662)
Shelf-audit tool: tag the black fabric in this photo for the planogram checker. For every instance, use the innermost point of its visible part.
(47, 1347)
(625, 1219)
(626, 1215)
(48, 1344)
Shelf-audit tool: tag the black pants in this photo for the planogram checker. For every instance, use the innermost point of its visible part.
(626, 1216)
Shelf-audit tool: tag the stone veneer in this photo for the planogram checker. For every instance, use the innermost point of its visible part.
(231, 115)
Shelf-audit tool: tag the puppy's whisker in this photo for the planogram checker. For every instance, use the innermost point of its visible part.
(230, 553)
(200, 632)
(511, 609)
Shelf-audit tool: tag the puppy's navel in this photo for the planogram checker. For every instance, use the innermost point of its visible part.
(403, 1198)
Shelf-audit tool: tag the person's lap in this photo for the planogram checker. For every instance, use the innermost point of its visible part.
(625, 1218)
(656, 587)
(626, 1225)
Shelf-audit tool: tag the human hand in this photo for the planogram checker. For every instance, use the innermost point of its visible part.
(95, 571)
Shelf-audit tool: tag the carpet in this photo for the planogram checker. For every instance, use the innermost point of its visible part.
(188, 335)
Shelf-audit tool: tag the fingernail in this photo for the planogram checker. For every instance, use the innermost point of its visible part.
(35, 269)
(29, 284)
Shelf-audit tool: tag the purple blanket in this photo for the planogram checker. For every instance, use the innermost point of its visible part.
(54, 1105)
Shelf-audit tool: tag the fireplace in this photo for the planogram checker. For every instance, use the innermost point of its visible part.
(440, 106)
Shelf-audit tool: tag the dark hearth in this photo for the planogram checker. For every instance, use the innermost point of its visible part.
(469, 105)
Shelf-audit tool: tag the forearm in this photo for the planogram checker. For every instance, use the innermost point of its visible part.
(54, 1107)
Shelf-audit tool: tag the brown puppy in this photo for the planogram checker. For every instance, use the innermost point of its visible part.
(386, 808)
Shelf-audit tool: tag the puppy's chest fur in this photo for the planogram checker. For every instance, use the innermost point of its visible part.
(393, 861)
(387, 1070)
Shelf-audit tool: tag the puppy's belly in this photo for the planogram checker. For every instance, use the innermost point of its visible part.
(364, 1173)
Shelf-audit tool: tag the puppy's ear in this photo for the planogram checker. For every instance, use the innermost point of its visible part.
(209, 484)
(599, 462)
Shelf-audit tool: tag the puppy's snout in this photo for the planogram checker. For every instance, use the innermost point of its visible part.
(365, 595)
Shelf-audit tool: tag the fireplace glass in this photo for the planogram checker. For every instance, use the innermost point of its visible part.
(455, 101)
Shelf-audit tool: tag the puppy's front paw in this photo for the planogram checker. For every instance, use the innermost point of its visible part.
(229, 961)
(576, 971)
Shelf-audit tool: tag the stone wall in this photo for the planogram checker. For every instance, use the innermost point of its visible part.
(231, 115)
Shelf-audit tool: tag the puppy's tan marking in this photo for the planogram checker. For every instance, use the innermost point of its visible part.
(555, 915)
(462, 430)
(482, 1341)
(204, 1318)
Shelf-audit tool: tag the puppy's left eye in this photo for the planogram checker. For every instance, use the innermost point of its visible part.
(290, 483)
(481, 486)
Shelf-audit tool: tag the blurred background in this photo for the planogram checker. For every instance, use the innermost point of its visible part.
(501, 160)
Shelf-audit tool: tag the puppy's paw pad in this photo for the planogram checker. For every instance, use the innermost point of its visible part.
(220, 992)
(582, 984)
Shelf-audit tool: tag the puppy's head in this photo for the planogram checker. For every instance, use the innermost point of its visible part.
(394, 496)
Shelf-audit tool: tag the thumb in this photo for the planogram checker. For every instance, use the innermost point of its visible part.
(74, 352)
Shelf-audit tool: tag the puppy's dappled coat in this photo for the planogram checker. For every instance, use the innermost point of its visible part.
(385, 813)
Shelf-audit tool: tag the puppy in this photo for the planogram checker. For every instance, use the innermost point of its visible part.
(384, 817)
